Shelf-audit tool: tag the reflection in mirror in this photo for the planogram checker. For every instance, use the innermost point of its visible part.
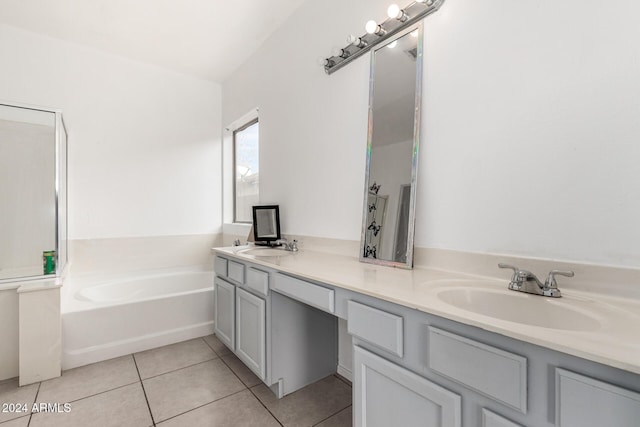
(31, 160)
(392, 147)
(266, 224)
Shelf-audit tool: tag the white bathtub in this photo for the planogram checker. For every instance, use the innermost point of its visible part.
(105, 316)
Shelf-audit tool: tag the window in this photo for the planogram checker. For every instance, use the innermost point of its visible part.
(246, 190)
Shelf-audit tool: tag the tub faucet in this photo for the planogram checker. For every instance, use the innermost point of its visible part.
(526, 281)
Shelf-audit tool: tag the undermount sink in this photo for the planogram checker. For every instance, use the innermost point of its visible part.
(268, 252)
(521, 308)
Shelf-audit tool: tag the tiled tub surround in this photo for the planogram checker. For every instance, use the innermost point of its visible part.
(105, 315)
(191, 383)
(417, 359)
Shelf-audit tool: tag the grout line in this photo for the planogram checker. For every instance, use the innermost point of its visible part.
(265, 406)
(237, 376)
(251, 391)
(332, 415)
(102, 392)
(177, 369)
(216, 353)
(143, 390)
(201, 406)
(35, 399)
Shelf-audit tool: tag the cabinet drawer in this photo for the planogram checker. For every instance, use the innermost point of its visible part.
(236, 271)
(583, 401)
(258, 280)
(220, 266)
(495, 373)
(382, 329)
(308, 293)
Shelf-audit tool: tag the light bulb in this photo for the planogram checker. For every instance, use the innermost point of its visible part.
(356, 41)
(325, 62)
(371, 27)
(393, 11)
(342, 53)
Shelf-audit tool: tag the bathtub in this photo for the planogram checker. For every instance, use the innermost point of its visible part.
(111, 315)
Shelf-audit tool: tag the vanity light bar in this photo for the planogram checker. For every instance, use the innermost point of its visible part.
(377, 33)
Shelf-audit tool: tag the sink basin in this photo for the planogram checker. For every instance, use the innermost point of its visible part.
(521, 308)
(269, 252)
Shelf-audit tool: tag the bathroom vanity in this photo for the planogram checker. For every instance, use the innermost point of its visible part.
(420, 359)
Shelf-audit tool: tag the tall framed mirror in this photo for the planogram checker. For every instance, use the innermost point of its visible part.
(388, 218)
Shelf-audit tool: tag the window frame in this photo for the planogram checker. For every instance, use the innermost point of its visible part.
(234, 165)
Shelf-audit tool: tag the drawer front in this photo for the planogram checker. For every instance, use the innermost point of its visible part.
(382, 329)
(583, 401)
(236, 271)
(220, 266)
(258, 280)
(495, 373)
(306, 292)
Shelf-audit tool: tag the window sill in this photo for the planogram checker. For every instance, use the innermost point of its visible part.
(236, 229)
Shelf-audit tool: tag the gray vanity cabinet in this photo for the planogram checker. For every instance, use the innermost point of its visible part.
(410, 368)
(286, 343)
(240, 316)
(224, 316)
(250, 331)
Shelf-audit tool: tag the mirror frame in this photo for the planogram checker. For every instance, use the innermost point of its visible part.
(262, 239)
(414, 161)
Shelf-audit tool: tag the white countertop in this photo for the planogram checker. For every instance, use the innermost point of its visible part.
(616, 342)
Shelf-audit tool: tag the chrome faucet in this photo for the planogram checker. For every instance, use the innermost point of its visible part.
(289, 246)
(526, 281)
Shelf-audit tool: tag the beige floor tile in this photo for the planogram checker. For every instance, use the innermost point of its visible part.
(17, 422)
(10, 392)
(238, 410)
(179, 391)
(124, 406)
(217, 345)
(341, 419)
(310, 405)
(171, 357)
(88, 380)
(240, 369)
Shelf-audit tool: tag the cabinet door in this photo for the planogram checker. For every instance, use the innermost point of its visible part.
(386, 394)
(225, 312)
(250, 332)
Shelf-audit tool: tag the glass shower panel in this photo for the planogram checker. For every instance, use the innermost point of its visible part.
(27, 190)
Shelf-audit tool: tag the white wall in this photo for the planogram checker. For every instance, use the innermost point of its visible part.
(144, 142)
(530, 126)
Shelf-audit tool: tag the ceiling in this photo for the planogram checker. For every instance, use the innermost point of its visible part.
(208, 39)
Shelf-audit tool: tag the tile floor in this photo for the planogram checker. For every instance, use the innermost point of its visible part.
(192, 383)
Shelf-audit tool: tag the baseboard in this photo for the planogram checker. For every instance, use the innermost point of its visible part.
(75, 358)
(346, 373)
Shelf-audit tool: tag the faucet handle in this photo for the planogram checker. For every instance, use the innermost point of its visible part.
(515, 269)
(551, 283)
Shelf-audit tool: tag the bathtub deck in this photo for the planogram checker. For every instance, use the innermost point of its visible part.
(192, 383)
